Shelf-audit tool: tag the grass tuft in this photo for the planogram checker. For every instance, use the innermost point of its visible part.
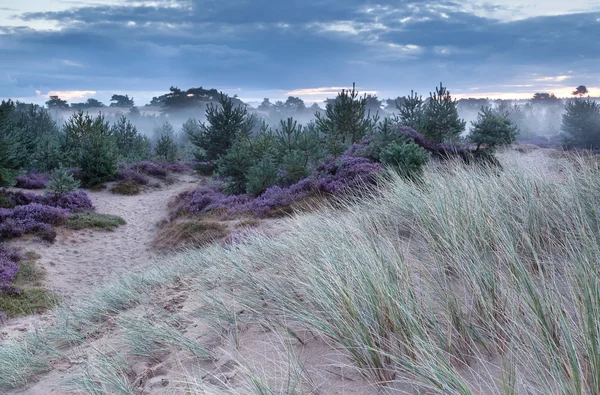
(128, 188)
(90, 220)
(32, 298)
(178, 234)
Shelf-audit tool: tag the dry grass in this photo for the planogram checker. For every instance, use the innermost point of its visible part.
(471, 282)
(178, 234)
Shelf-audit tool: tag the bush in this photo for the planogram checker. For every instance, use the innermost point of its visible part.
(32, 181)
(149, 168)
(90, 220)
(408, 159)
(62, 181)
(581, 124)
(127, 174)
(40, 213)
(492, 129)
(9, 267)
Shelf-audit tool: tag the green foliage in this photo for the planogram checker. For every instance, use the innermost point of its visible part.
(407, 158)
(346, 121)
(261, 176)
(131, 146)
(123, 101)
(62, 182)
(166, 149)
(91, 220)
(235, 164)
(411, 110)
(32, 297)
(88, 143)
(581, 124)
(492, 129)
(56, 103)
(24, 129)
(226, 123)
(441, 122)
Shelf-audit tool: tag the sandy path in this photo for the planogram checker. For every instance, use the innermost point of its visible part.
(79, 261)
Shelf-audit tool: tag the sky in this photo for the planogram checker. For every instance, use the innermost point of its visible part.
(311, 48)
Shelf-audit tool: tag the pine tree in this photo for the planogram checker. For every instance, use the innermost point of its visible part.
(166, 149)
(226, 123)
(411, 110)
(493, 129)
(581, 124)
(346, 120)
(441, 122)
(62, 182)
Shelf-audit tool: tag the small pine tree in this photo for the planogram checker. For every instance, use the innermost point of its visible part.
(226, 123)
(441, 122)
(411, 110)
(166, 149)
(261, 176)
(234, 164)
(407, 158)
(492, 129)
(346, 120)
(62, 182)
(581, 124)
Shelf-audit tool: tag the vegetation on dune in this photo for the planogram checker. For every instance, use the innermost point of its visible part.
(21, 291)
(458, 283)
(90, 220)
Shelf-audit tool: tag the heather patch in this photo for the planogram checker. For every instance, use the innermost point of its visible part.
(32, 181)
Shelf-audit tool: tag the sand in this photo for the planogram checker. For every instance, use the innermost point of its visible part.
(81, 260)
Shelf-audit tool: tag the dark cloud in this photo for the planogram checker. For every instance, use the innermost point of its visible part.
(267, 44)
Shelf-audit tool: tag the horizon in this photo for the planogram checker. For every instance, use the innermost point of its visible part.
(478, 49)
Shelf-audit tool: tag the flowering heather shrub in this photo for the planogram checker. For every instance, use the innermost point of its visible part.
(176, 167)
(72, 201)
(9, 267)
(333, 177)
(149, 168)
(346, 172)
(40, 213)
(32, 181)
(131, 175)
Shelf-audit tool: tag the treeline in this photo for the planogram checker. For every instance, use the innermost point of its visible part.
(255, 154)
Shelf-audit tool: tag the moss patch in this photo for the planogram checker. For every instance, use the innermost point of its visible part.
(32, 298)
(91, 220)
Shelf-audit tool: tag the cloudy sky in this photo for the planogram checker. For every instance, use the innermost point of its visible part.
(309, 48)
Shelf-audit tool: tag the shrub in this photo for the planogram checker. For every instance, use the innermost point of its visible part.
(126, 188)
(129, 175)
(90, 220)
(40, 213)
(581, 124)
(408, 159)
(149, 168)
(62, 182)
(9, 267)
(492, 129)
(206, 168)
(32, 181)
